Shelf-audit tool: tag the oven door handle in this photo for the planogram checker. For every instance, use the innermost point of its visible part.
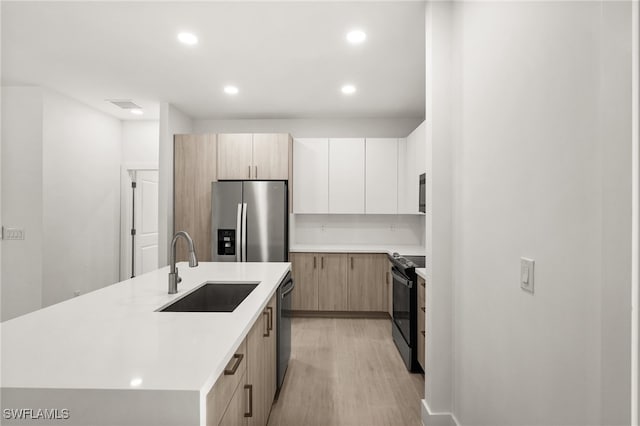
(402, 280)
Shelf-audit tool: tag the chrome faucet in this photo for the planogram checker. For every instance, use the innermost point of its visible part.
(174, 278)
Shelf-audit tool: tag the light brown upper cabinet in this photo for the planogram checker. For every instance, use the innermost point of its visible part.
(194, 170)
(246, 156)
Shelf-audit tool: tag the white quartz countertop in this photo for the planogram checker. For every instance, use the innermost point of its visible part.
(113, 338)
(406, 250)
(421, 272)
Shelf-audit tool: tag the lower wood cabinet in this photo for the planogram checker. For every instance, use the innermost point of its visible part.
(243, 394)
(422, 325)
(389, 284)
(340, 282)
(333, 291)
(261, 366)
(234, 415)
(304, 268)
(367, 288)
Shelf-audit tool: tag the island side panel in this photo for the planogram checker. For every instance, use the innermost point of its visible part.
(104, 407)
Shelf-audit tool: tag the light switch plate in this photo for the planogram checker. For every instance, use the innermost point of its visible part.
(526, 274)
(12, 233)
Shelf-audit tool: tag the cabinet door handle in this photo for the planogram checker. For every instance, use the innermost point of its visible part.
(249, 171)
(270, 309)
(423, 309)
(386, 277)
(231, 371)
(352, 263)
(422, 283)
(266, 333)
(423, 335)
(250, 413)
(255, 175)
(322, 262)
(314, 262)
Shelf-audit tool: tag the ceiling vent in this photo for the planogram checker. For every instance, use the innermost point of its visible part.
(124, 103)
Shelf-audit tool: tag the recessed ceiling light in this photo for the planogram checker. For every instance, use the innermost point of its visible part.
(188, 38)
(348, 89)
(231, 90)
(356, 36)
(136, 111)
(136, 381)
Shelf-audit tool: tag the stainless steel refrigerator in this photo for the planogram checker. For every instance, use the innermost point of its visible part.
(249, 221)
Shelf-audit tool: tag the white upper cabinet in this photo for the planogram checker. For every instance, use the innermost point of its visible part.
(411, 164)
(311, 175)
(381, 176)
(346, 175)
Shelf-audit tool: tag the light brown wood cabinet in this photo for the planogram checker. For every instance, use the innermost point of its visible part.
(235, 156)
(333, 291)
(389, 284)
(422, 325)
(243, 394)
(261, 365)
(194, 170)
(304, 267)
(229, 386)
(366, 277)
(261, 156)
(340, 282)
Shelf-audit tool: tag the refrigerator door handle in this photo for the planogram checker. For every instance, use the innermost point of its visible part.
(244, 232)
(238, 233)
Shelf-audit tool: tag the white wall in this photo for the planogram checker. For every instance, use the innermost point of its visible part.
(358, 229)
(172, 122)
(140, 142)
(81, 202)
(309, 128)
(540, 158)
(22, 199)
(615, 146)
(439, 231)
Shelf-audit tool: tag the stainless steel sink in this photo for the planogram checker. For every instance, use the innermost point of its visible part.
(212, 297)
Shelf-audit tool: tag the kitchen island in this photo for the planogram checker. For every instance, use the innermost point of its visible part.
(109, 358)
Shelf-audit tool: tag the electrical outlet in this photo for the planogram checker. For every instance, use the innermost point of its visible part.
(526, 274)
(12, 233)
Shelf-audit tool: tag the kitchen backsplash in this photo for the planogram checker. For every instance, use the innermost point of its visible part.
(358, 229)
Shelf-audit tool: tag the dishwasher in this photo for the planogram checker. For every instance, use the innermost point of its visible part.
(284, 326)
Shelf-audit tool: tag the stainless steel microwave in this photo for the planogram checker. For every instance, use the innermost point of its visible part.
(422, 203)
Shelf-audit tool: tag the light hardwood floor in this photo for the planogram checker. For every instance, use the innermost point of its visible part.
(346, 372)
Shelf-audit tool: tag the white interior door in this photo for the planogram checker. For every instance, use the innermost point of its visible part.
(146, 222)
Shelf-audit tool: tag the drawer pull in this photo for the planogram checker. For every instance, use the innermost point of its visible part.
(352, 263)
(250, 413)
(266, 334)
(322, 262)
(270, 309)
(422, 283)
(314, 262)
(231, 371)
(423, 309)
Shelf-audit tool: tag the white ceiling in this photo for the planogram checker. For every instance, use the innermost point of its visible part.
(289, 59)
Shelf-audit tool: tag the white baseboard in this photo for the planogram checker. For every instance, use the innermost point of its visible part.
(429, 418)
